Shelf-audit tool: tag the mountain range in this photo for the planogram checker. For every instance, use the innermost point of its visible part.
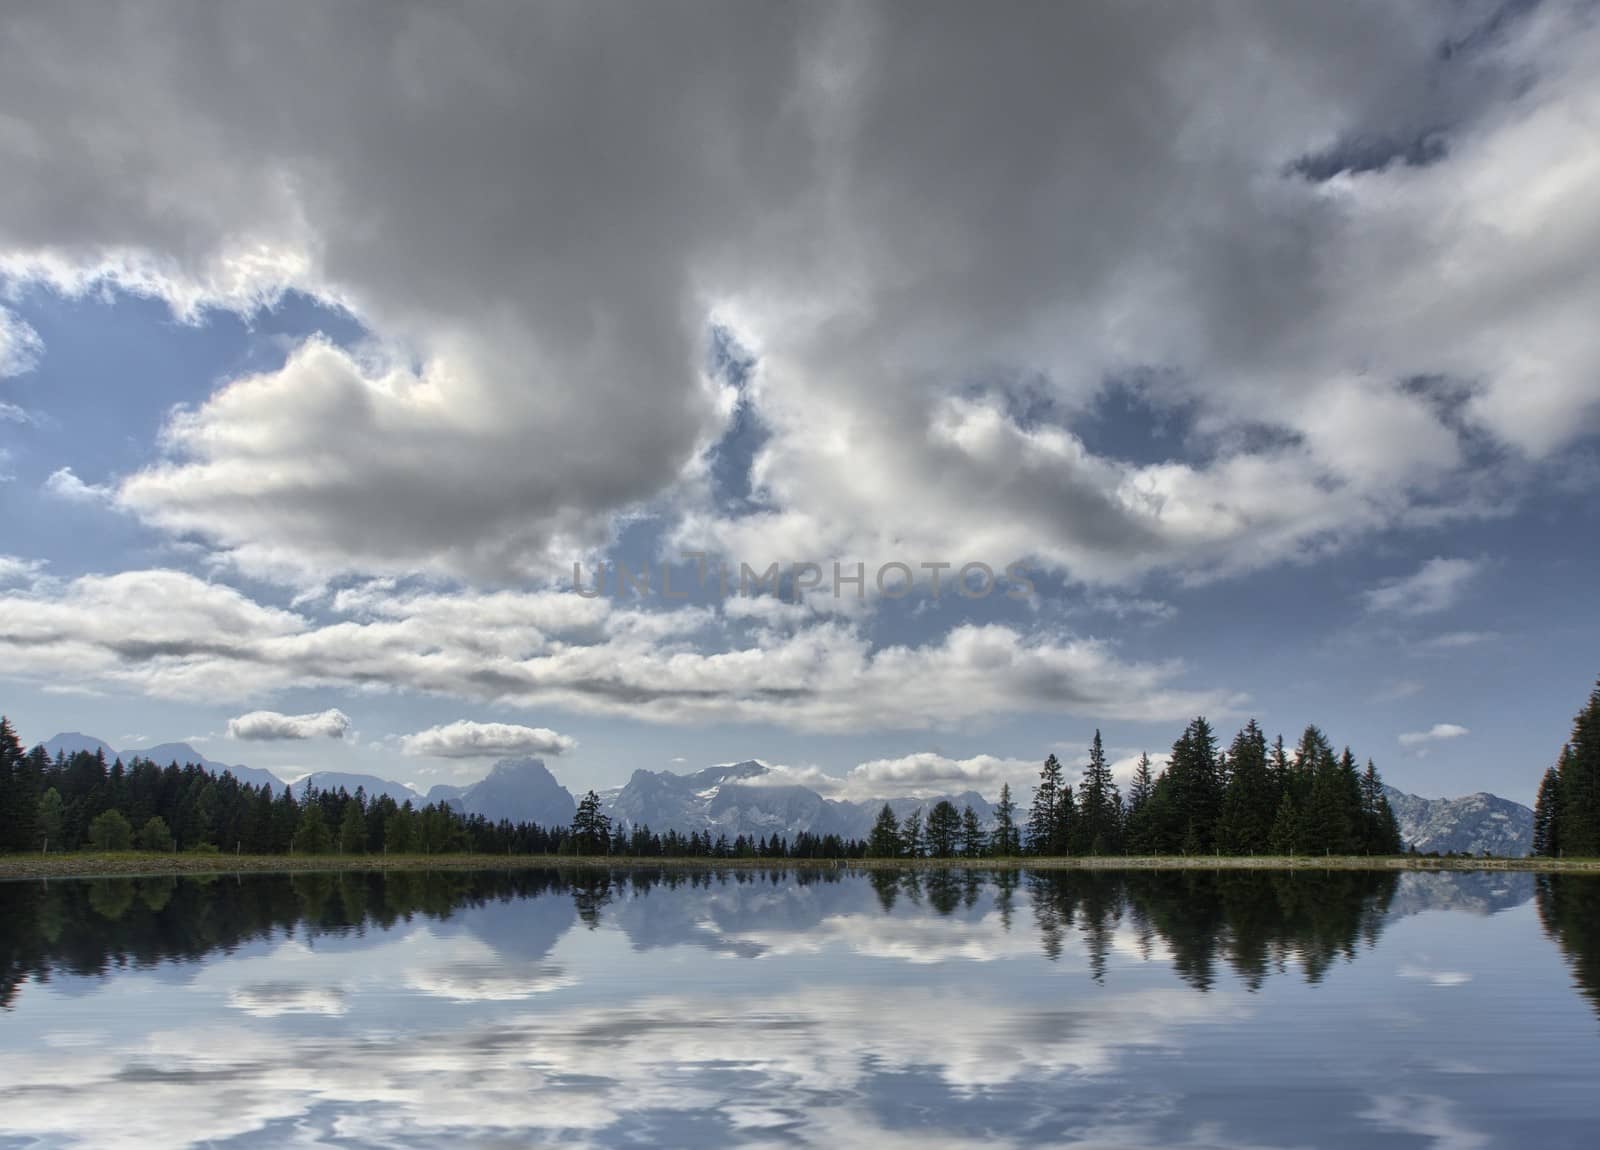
(1472, 824)
(731, 799)
(71, 742)
(740, 799)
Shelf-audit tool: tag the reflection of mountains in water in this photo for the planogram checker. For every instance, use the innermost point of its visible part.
(1473, 892)
(1254, 923)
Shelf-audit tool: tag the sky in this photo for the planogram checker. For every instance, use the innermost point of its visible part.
(342, 345)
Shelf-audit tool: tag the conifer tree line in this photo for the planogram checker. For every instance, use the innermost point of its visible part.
(1566, 815)
(81, 802)
(1250, 799)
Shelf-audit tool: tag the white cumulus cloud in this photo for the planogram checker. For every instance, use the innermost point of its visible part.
(65, 485)
(464, 739)
(1439, 732)
(267, 726)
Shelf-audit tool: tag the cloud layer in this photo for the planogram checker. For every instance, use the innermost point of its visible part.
(169, 634)
(937, 273)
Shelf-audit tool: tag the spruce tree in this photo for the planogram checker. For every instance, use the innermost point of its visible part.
(1285, 837)
(973, 840)
(1546, 837)
(312, 837)
(1578, 823)
(19, 794)
(1278, 766)
(1007, 839)
(353, 829)
(1380, 831)
(1313, 758)
(944, 829)
(1193, 798)
(591, 827)
(884, 842)
(1099, 819)
(1138, 822)
(911, 842)
(1044, 815)
(1250, 801)
(1348, 795)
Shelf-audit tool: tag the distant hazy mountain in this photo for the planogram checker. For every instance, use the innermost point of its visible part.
(71, 742)
(733, 800)
(522, 790)
(181, 753)
(1469, 825)
(372, 784)
(445, 793)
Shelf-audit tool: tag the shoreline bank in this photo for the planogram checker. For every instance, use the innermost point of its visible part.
(135, 864)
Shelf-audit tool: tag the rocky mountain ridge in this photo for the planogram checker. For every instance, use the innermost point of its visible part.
(1473, 824)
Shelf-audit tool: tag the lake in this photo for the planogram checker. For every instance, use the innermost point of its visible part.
(1190, 1009)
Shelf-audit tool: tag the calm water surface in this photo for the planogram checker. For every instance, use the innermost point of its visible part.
(1452, 1011)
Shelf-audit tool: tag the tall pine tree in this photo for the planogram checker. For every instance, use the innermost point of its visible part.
(1007, 839)
(1578, 822)
(1189, 793)
(1139, 834)
(911, 839)
(1250, 801)
(1546, 837)
(973, 840)
(1098, 827)
(1050, 819)
(944, 829)
(19, 794)
(884, 841)
(1380, 831)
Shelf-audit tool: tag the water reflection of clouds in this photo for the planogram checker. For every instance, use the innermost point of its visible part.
(270, 999)
(1434, 977)
(488, 981)
(880, 1014)
(803, 1066)
(919, 941)
(1426, 1116)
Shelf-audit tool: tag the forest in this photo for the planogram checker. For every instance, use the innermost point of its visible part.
(1566, 815)
(1250, 798)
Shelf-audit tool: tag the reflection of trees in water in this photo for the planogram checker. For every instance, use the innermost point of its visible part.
(91, 927)
(1256, 922)
(590, 894)
(1569, 909)
(886, 883)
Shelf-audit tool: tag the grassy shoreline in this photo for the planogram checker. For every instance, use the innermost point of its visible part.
(135, 864)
